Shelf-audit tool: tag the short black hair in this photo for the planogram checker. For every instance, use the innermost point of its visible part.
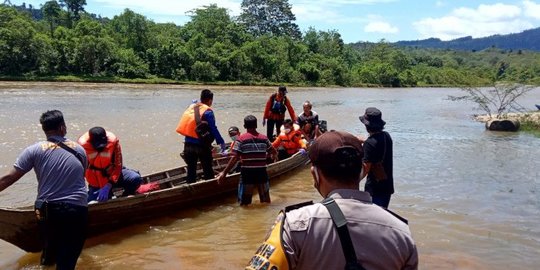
(250, 121)
(288, 122)
(206, 95)
(52, 120)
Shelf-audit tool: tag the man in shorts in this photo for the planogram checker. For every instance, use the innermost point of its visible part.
(251, 148)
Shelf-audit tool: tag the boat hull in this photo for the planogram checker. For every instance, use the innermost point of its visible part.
(18, 226)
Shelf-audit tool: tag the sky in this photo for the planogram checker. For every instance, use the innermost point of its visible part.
(359, 20)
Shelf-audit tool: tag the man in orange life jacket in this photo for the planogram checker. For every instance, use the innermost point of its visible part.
(274, 111)
(289, 141)
(194, 148)
(105, 169)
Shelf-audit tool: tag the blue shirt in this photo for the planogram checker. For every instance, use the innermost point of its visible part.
(59, 173)
(208, 116)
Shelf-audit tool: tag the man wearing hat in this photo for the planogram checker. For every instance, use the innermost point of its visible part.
(274, 112)
(105, 169)
(377, 161)
(346, 228)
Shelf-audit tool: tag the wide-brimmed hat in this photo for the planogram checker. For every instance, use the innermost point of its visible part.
(98, 137)
(337, 150)
(372, 118)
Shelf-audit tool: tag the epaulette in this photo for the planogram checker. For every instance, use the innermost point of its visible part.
(296, 206)
(404, 220)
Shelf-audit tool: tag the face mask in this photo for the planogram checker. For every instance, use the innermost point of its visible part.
(234, 137)
(287, 130)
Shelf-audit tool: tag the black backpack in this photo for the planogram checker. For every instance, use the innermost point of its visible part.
(202, 128)
(278, 107)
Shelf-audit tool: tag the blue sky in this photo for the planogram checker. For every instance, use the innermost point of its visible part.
(360, 20)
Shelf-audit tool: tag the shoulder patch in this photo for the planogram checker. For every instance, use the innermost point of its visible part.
(296, 206)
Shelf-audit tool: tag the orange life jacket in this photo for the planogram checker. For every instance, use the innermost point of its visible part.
(104, 166)
(186, 125)
(292, 141)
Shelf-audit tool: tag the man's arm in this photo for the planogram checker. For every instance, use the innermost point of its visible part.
(291, 110)
(11, 177)
(117, 163)
(232, 162)
(266, 113)
(210, 118)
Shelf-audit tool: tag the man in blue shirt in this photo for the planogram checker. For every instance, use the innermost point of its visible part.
(194, 148)
(61, 208)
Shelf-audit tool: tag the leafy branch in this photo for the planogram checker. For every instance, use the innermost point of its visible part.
(497, 100)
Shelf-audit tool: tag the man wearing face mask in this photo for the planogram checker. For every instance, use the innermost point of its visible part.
(289, 141)
(344, 231)
(105, 169)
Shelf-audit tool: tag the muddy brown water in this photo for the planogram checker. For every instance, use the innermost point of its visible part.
(472, 196)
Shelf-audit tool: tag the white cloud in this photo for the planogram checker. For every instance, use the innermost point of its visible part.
(532, 9)
(168, 8)
(483, 21)
(380, 27)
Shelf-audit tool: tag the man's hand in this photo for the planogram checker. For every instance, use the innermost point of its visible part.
(103, 195)
(223, 148)
(264, 122)
(302, 151)
(221, 178)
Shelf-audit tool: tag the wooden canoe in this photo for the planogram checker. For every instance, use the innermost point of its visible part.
(18, 226)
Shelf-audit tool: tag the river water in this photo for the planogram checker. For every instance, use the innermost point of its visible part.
(472, 196)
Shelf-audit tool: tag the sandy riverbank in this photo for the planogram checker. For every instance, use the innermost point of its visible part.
(527, 116)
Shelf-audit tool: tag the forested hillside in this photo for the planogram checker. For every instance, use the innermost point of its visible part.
(60, 41)
(526, 40)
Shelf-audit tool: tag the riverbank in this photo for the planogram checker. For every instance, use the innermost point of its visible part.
(164, 81)
(529, 121)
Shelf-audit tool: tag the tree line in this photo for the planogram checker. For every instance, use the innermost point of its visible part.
(263, 45)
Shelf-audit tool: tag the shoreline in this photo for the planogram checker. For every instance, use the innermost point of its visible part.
(195, 84)
(533, 116)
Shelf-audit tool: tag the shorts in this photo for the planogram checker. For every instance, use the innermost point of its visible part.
(251, 179)
(245, 192)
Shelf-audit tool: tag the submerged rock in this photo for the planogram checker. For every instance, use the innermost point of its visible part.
(503, 125)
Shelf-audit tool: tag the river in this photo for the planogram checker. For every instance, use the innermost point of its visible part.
(472, 196)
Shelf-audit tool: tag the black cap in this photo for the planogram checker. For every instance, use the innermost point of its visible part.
(282, 88)
(372, 118)
(233, 129)
(98, 137)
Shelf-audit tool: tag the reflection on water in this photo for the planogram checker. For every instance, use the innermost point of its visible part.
(471, 196)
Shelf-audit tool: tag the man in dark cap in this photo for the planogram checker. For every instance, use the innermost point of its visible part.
(377, 161)
(274, 112)
(106, 170)
(345, 228)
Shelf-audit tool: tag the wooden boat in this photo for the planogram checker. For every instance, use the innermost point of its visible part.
(18, 226)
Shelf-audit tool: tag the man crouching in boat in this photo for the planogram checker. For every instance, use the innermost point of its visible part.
(61, 207)
(289, 141)
(252, 149)
(105, 169)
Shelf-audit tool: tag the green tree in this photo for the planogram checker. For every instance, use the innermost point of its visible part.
(74, 8)
(131, 30)
(275, 17)
(204, 71)
(129, 65)
(51, 11)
